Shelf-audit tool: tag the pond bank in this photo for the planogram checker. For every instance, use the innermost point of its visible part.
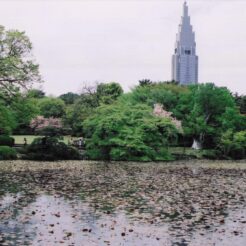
(21, 165)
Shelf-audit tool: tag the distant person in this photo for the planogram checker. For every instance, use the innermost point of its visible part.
(25, 141)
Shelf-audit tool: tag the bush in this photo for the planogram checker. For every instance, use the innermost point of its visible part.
(50, 149)
(210, 154)
(233, 144)
(6, 141)
(7, 153)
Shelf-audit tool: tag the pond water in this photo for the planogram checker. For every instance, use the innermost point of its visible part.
(79, 203)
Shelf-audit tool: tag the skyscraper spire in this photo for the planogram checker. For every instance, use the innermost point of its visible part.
(185, 9)
(185, 60)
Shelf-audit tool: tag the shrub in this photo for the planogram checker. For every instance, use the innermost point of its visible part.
(7, 153)
(6, 141)
(50, 149)
(233, 144)
(210, 154)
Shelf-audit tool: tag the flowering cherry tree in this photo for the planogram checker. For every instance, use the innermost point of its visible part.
(160, 112)
(40, 122)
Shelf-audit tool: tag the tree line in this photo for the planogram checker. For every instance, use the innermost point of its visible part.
(118, 125)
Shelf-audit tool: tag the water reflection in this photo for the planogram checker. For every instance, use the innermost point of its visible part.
(54, 220)
(123, 205)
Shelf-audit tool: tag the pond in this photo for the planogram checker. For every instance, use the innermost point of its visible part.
(97, 203)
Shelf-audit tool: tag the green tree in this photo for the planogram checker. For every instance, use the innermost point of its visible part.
(241, 103)
(233, 144)
(17, 68)
(76, 114)
(7, 120)
(164, 93)
(85, 105)
(145, 82)
(123, 131)
(52, 107)
(35, 93)
(17, 71)
(108, 93)
(69, 98)
(205, 110)
(232, 119)
(24, 109)
(203, 121)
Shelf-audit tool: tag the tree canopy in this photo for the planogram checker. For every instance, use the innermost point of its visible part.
(7, 120)
(69, 98)
(241, 103)
(35, 93)
(18, 71)
(204, 108)
(17, 67)
(108, 93)
(128, 132)
(52, 107)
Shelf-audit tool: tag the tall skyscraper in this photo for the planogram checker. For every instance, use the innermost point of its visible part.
(185, 60)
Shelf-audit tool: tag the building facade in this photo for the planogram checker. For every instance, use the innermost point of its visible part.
(185, 60)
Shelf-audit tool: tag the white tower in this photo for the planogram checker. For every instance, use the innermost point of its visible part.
(185, 60)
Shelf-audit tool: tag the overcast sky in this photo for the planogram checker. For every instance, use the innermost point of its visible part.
(78, 42)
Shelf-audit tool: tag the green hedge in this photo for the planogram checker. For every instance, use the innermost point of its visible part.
(6, 141)
(7, 153)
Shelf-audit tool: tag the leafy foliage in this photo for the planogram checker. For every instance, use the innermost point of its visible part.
(7, 153)
(35, 93)
(233, 144)
(145, 82)
(6, 141)
(52, 107)
(24, 109)
(69, 98)
(206, 111)
(7, 119)
(202, 109)
(241, 103)
(50, 149)
(108, 93)
(17, 68)
(232, 119)
(160, 112)
(163, 93)
(18, 71)
(91, 98)
(76, 115)
(128, 132)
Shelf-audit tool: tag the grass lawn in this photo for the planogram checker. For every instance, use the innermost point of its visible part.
(190, 152)
(19, 139)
